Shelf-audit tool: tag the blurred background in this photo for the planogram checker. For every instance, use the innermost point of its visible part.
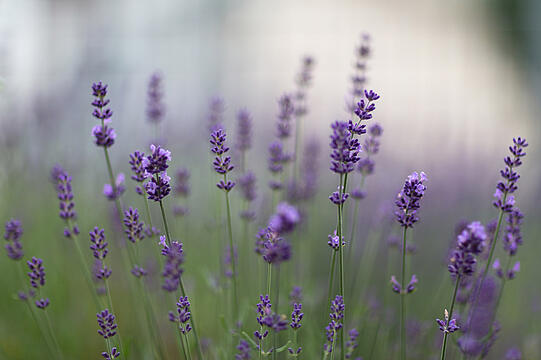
(458, 80)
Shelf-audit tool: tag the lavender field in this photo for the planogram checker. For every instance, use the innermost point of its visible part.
(246, 180)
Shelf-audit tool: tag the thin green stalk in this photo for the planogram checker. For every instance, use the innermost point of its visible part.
(444, 345)
(269, 278)
(194, 329)
(165, 224)
(113, 184)
(403, 301)
(188, 346)
(151, 320)
(53, 336)
(43, 332)
(276, 300)
(183, 346)
(341, 262)
(232, 255)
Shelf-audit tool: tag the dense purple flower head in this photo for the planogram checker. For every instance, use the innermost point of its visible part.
(285, 219)
(337, 198)
(273, 248)
(182, 185)
(512, 237)
(106, 323)
(12, 235)
(156, 162)
(285, 115)
(98, 245)
(296, 316)
(65, 195)
(502, 197)
(103, 134)
(216, 110)
(113, 355)
(247, 186)
(470, 243)
(37, 272)
(244, 130)
(336, 315)
(158, 187)
(172, 269)
(446, 325)
(409, 198)
(155, 106)
(344, 148)
(182, 315)
(113, 192)
(42, 303)
(366, 106)
(137, 166)
(244, 351)
(222, 164)
(266, 317)
(133, 227)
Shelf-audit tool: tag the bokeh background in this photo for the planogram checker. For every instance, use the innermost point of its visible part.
(458, 81)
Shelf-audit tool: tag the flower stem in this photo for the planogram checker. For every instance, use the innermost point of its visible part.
(341, 262)
(53, 336)
(232, 255)
(444, 344)
(165, 224)
(403, 301)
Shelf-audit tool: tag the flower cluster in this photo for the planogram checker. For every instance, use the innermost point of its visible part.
(397, 287)
(247, 184)
(37, 279)
(277, 159)
(139, 174)
(12, 235)
(446, 325)
(285, 219)
(336, 315)
(513, 236)
(503, 198)
(344, 148)
(114, 191)
(98, 245)
(155, 106)
(266, 317)
(244, 351)
(358, 79)
(409, 198)
(222, 164)
(106, 323)
(244, 130)
(182, 190)
(470, 243)
(273, 248)
(133, 227)
(182, 315)
(334, 241)
(352, 343)
(172, 269)
(371, 147)
(296, 316)
(156, 165)
(104, 135)
(228, 264)
(113, 355)
(65, 196)
(285, 115)
(303, 81)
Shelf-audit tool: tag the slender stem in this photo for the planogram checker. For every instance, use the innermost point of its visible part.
(181, 338)
(444, 344)
(197, 343)
(53, 336)
(43, 332)
(151, 320)
(232, 255)
(165, 224)
(403, 301)
(113, 184)
(341, 261)
(269, 278)
(188, 346)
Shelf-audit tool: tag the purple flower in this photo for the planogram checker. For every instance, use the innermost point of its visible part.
(503, 198)
(337, 199)
(285, 115)
(295, 296)
(156, 162)
(511, 273)
(244, 351)
(334, 242)
(409, 198)
(12, 235)
(172, 269)
(138, 271)
(277, 157)
(397, 287)
(67, 205)
(364, 109)
(352, 343)
(296, 316)
(344, 148)
(446, 325)
(98, 244)
(247, 186)
(244, 130)
(114, 192)
(470, 243)
(182, 186)
(133, 227)
(222, 164)
(358, 80)
(103, 134)
(303, 81)
(113, 355)
(273, 248)
(336, 315)
(266, 317)
(217, 108)
(182, 315)
(155, 106)
(513, 236)
(137, 166)
(37, 272)
(106, 322)
(42, 303)
(158, 187)
(285, 219)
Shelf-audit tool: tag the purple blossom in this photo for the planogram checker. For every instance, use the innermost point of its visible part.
(470, 243)
(182, 315)
(397, 287)
(182, 186)
(344, 148)
(285, 115)
(337, 198)
(227, 260)
(98, 244)
(133, 227)
(295, 296)
(66, 204)
(222, 164)
(155, 106)
(285, 219)
(158, 187)
(511, 273)
(114, 192)
(103, 134)
(137, 166)
(172, 269)
(244, 130)
(446, 325)
(513, 354)
(502, 197)
(303, 81)
(513, 236)
(106, 323)
(12, 235)
(37, 280)
(334, 241)
(266, 317)
(409, 198)
(273, 248)
(296, 316)
(42, 303)
(156, 162)
(138, 271)
(336, 315)
(247, 186)
(358, 79)
(352, 343)
(244, 351)
(113, 355)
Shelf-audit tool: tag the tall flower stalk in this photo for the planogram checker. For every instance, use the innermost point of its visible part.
(408, 202)
(470, 244)
(222, 165)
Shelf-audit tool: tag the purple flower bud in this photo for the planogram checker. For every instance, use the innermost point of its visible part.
(182, 315)
(133, 227)
(285, 219)
(113, 192)
(155, 106)
(106, 322)
(12, 235)
(408, 200)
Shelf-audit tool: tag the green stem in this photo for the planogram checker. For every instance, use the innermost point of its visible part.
(444, 345)
(269, 278)
(232, 255)
(53, 336)
(113, 184)
(403, 301)
(341, 262)
(165, 224)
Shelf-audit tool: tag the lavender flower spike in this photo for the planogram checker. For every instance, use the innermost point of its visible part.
(14, 231)
(285, 219)
(156, 164)
(182, 315)
(503, 198)
(67, 205)
(244, 130)
(103, 134)
(133, 226)
(106, 323)
(285, 116)
(222, 164)
(172, 269)
(37, 279)
(408, 199)
(344, 148)
(446, 325)
(155, 106)
(336, 315)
